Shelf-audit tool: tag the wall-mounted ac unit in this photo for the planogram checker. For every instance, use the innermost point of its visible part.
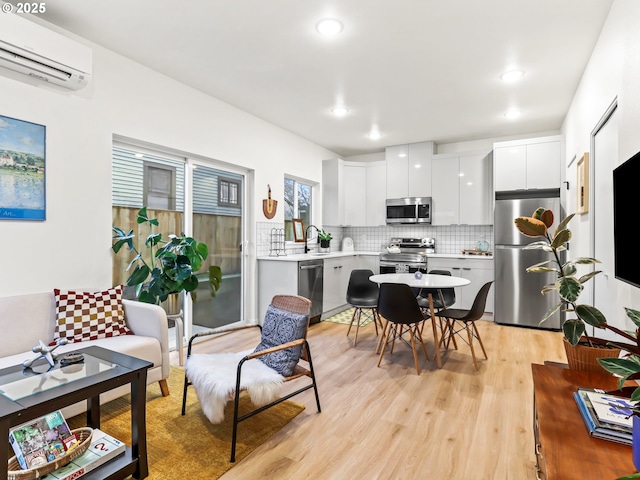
(29, 48)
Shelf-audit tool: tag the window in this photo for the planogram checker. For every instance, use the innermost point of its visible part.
(159, 186)
(297, 204)
(228, 192)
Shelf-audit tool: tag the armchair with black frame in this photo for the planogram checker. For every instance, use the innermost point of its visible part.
(279, 358)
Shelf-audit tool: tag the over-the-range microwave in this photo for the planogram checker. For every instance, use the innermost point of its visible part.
(408, 210)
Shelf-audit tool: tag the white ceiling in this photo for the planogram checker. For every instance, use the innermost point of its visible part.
(415, 69)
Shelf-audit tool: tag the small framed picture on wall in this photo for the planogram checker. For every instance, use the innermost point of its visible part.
(582, 168)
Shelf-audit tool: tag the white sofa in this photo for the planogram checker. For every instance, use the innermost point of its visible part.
(25, 319)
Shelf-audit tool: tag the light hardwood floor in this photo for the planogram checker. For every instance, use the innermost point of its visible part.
(389, 423)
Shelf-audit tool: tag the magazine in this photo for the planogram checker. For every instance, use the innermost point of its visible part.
(42, 440)
(610, 409)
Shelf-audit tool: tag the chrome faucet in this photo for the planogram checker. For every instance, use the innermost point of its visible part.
(306, 235)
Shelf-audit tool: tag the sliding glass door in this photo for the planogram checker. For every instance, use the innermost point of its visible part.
(217, 221)
(194, 197)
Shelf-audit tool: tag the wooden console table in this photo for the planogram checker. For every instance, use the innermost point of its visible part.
(563, 447)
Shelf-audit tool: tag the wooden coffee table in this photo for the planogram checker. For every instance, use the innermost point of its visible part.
(25, 395)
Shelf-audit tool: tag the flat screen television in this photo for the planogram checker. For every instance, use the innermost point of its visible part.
(625, 201)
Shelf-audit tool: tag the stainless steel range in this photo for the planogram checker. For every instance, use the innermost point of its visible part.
(407, 255)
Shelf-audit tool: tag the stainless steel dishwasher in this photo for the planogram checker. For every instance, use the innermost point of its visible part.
(310, 285)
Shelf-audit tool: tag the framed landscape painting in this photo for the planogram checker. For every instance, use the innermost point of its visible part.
(22, 170)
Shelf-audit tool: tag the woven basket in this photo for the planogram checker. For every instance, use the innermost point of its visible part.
(16, 473)
(583, 357)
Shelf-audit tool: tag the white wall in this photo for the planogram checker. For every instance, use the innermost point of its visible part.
(71, 249)
(613, 71)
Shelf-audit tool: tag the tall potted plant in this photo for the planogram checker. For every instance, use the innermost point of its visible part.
(582, 349)
(164, 268)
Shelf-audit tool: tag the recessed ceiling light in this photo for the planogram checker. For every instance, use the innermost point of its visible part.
(513, 114)
(512, 75)
(374, 135)
(402, 155)
(417, 165)
(339, 111)
(329, 26)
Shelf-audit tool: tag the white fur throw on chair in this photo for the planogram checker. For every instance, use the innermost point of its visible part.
(213, 376)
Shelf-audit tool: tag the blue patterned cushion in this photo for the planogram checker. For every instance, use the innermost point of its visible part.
(280, 327)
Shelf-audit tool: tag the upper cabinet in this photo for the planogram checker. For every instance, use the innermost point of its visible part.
(376, 194)
(353, 193)
(533, 163)
(409, 170)
(462, 189)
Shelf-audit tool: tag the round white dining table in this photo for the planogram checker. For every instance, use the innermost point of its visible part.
(426, 281)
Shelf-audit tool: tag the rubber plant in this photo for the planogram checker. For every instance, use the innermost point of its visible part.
(164, 267)
(568, 285)
(627, 367)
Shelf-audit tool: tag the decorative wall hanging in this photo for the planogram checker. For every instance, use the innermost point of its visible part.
(582, 167)
(22, 170)
(269, 206)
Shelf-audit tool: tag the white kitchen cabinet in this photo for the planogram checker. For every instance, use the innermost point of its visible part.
(376, 194)
(336, 280)
(397, 164)
(286, 274)
(369, 262)
(409, 170)
(528, 164)
(419, 169)
(462, 190)
(445, 190)
(478, 271)
(332, 188)
(354, 191)
(343, 189)
(476, 189)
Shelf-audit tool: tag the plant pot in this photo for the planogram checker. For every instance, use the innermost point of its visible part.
(324, 245)
(584, 357)
(173, 304)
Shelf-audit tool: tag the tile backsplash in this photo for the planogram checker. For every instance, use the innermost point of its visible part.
(449, 239)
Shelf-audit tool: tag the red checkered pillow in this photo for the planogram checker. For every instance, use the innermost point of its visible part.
(89, 316)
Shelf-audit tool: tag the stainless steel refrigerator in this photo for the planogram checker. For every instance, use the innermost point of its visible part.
(518, 300)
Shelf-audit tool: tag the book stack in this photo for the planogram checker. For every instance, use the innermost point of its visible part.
(606, 416)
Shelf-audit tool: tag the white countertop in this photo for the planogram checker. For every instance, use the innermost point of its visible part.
(298, 257)
(459, 255)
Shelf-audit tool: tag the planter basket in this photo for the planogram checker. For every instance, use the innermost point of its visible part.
(583, 357)
(16, 473)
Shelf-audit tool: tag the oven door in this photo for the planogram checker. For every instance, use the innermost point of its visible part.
(387, 267)
(392, 267)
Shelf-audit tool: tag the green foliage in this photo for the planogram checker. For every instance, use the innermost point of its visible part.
(568, 286)
(168, 266)
(322, 235)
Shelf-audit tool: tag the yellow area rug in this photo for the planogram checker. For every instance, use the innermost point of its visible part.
(191, 447)
(344, 318)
